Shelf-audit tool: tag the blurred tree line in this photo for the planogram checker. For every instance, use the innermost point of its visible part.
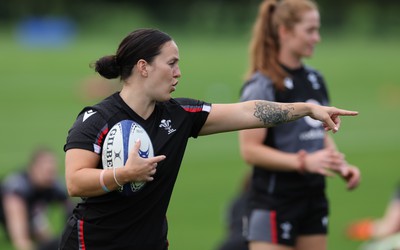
(368, 16)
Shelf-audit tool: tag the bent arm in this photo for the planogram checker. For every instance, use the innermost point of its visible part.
(85, 180)
(329, 142)
(349, 173)
(254, 152)
(82, 177)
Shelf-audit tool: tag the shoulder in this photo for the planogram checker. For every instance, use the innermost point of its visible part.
(102, 110)
(311, 70)
(91, 125)
(259, 86)
(17, 183)
(314, 75)
(98, 115)
(259, 79)
(190, 105)
(190, 114)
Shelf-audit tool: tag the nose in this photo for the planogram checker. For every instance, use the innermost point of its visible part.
(177, 72)
(317, 37)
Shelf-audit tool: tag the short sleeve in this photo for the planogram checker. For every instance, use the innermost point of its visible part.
(16, 184)
(87, 132)
(197, 111)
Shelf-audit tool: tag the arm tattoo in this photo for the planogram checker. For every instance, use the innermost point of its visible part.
(272, 114)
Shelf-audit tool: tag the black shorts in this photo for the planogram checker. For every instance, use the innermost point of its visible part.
(288, 219)
(79, 235)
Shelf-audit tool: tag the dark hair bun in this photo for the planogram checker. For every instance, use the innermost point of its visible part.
(107, 67)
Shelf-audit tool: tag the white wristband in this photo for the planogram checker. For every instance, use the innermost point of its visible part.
(115, 177)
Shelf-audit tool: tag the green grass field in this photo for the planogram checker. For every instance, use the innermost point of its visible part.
(40, 98)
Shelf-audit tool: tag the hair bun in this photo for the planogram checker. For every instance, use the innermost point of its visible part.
(108, 67)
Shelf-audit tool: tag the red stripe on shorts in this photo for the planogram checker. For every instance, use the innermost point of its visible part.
(80, 235)
(274, 231)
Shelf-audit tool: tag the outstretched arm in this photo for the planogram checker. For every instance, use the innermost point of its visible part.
(257, 114)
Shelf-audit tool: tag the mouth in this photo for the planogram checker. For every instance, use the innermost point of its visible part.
(174, 86)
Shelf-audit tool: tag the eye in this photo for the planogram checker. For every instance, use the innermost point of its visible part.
(313, 29)
(173, 62)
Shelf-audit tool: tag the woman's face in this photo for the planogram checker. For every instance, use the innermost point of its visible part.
(301, 40)
(163, 72)
(44, 170)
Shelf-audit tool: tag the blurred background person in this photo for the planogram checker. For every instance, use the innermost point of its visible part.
(379, 229)
(288, 208)
(25, 198)
(234, 238)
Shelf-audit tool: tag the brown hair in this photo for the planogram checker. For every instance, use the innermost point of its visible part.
(264, 45)
(38, 153)
(140, 44)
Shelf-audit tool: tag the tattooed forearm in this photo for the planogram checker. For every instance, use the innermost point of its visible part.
(272, 114)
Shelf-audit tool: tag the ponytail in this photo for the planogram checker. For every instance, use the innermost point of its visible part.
(265, 45)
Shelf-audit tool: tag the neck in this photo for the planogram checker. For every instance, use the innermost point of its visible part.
(289, 60)
(138, 102)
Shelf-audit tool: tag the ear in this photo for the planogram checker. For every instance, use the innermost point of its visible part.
(283, 32)
(142, 67)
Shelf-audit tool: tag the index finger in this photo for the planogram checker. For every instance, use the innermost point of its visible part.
(157, 158)
(334, 122)
(344, 112)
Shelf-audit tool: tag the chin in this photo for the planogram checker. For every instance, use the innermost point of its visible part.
(308, 54)
(164, 98)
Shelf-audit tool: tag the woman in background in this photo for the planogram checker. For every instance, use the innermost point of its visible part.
(26, 197)
(288, 208)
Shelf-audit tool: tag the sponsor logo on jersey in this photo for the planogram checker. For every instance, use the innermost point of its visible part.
(312, 134)
(88, 114)
(315, 132)
(314, 80)
(310, 121)
(288, 83)
(166, 124)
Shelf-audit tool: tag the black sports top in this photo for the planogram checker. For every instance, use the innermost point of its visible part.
(303, 85)
(115, 221)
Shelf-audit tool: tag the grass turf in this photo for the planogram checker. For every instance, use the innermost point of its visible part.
(40, 99)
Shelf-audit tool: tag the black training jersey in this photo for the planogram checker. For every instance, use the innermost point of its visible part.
(303, 85)
(137, 221)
